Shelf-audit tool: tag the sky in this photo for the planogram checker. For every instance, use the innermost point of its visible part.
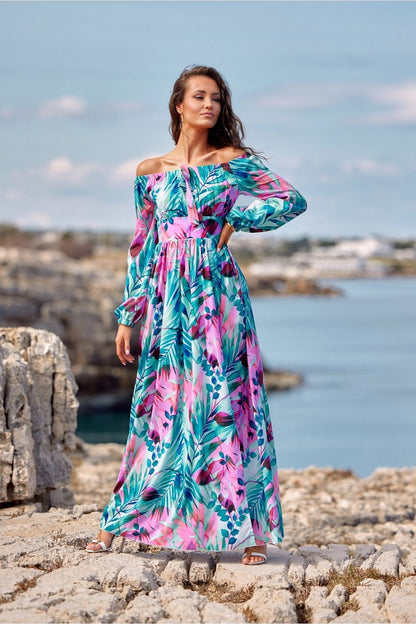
(326, 90)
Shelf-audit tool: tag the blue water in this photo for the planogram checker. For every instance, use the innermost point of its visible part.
(357, 354)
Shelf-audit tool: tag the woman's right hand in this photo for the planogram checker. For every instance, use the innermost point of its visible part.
(122, 341)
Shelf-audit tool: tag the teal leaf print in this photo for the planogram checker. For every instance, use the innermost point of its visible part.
(199, 469)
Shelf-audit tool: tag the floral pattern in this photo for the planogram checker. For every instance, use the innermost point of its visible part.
(199, 470)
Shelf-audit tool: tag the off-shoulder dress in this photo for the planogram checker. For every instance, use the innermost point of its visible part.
(199, 469)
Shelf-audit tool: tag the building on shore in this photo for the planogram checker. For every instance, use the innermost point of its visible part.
(345, 258)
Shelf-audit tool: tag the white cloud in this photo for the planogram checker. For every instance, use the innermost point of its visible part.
(297, 98)
(13, 194)
(400, 97)
(308, 96)
(6, 112)
(124, 107)
(71, 106)
(124, 172)
(63, 170)
(65, 106)
(293, 163)
(370, 167)
(36, 219)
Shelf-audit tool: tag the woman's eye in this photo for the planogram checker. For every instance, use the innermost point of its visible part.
(199, 97)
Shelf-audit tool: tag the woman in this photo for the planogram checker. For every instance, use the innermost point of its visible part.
(199, 468)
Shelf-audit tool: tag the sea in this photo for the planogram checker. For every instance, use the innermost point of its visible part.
(356, 407)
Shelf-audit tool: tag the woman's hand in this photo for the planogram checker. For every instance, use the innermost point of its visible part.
(123, 344)
(225, 235)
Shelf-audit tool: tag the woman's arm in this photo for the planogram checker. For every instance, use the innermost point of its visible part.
(130, 310)
(277, 200)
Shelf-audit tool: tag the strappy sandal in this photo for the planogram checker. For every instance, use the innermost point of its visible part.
(258, 554)
(104, 547)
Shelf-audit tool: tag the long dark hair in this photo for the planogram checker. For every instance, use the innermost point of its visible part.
(229, 130)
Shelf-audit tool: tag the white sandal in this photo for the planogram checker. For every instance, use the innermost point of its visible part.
(254, 552)
(104, 546)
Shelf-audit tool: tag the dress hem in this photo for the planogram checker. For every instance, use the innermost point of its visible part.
(240, 547)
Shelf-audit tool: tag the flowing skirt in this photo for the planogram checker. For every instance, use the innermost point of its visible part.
(199, 470)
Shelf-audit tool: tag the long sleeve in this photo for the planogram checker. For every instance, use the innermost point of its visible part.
(277, 201)
(139, 257)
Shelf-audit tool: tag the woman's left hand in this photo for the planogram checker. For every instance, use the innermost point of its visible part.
(225, 235)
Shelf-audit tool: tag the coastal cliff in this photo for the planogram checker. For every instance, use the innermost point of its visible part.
(38, 417)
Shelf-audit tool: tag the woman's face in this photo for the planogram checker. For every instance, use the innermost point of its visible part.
(201, 105)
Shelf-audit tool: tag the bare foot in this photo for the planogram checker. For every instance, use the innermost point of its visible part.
(248, 559)
(103, 536)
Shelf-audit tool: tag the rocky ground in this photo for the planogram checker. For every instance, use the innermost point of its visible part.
(349, 555)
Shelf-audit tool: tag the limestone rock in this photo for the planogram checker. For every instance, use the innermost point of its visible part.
(324, 615)
(213, 612)
(230, 572)
(136, 578)
(324, 607)
(370, 592)
(182, 605)
(201, 570)
(86, 606)
(38, 410)
(411, 562)
(272, 605)
(175, 571)
(15, 580)
(401, 602)
(296, 571)
(321, 561)
(338, 597)
(317, 597)
(33, 616)
(385, 561)
(362, 616)
(142, 609)
(362, 552)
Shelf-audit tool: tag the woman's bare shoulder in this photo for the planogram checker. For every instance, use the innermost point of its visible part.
(229, 153)
(156, 164)
(148, 166)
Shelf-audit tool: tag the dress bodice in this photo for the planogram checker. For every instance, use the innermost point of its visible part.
(189, 206)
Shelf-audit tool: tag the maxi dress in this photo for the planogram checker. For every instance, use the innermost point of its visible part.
(199, 470)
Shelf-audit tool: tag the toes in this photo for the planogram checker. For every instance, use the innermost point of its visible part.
(251, 558)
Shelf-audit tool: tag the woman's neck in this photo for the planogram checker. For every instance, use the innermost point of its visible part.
(192, 146)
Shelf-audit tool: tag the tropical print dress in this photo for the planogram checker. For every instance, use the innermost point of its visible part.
(199, 470)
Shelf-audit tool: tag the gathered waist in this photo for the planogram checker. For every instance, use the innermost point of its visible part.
(179, 228)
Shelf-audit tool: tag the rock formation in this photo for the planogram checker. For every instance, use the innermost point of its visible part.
(283, 285)
(38, 412)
